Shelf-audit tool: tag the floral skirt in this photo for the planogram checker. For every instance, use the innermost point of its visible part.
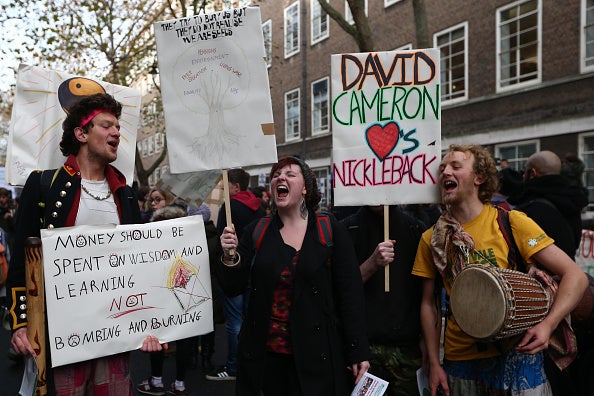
(513, 373)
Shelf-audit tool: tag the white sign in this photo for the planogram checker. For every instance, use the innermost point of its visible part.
(584, 256)
(386, 119)
(216, 96)
(191, 187)
(108, 287)
(38, 112)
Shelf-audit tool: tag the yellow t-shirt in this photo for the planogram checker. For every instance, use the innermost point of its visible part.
(484, 229)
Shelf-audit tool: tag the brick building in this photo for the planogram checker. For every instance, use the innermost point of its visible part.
(517, 76)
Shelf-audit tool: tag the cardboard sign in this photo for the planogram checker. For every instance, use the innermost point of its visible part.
(108, 287)
(584, 257)
(386, 119)
(40, 103)
(216, 96)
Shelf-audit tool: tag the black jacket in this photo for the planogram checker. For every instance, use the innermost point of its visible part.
(392, 318)
(56, 206)
(563, 223)
(327, 323)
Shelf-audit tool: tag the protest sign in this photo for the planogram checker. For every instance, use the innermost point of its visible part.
(216, 97)
(584, 257)
(40, 104)
(191, 187)
(108, 287)
(386, 127)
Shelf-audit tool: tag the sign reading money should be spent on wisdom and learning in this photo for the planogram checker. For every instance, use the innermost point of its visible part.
(386, 127)
(108, 287)
(40, 104)
(216, 97)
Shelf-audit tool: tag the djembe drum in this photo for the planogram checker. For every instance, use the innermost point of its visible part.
(492, 303)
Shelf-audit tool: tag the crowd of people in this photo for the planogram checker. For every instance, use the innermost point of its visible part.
(301, 291)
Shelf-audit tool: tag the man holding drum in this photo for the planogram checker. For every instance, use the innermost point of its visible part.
(468, 233)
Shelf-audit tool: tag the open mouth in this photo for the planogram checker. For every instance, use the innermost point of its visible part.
(449, 185)
(282, 191)
(114, 144)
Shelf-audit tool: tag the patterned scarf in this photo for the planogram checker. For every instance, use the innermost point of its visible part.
(451, 245)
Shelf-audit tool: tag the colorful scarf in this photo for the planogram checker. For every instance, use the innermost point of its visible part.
(450, 245)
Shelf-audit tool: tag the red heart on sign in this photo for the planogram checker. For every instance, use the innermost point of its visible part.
(382, 140)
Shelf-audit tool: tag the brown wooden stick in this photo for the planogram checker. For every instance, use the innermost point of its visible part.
(227, 203)
(36, 309)
(387, 238)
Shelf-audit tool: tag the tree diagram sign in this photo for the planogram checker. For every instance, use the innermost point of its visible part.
(108, 287)
(216, 97)
(386, 119)
(41, 101)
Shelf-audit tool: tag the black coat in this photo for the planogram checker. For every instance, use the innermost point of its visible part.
(56, 206)
(392, 318)
(327, 322)
(562, 222)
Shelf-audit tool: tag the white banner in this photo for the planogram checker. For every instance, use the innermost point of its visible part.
(216, 96)
(584, 257)
(386, 119)
(38, 112)
(108, 287)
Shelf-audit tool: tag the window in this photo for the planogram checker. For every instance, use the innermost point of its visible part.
(587, 63)
(518, 45)
(165, 170)
(267, 32)
(454, 61)
(347, 12)
(517, 154)
(292, 115)
(319, 22)
(145, 147)
(388, 3)
(323, 183)
(151, 144)
(292, 30)
(319, 98)
(158, 142)
(587, 154)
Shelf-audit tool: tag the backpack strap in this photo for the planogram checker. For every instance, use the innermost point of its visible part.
(324, 229)
(260, 230)
(514, 258)
(322, 220)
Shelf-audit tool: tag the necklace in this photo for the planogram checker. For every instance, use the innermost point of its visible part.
(98, 198)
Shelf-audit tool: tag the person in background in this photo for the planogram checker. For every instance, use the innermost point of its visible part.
(393, 318)
(264, 196)
(154, 385)
(7, 210)
(469, 226)
(86, 190)
(555, 205)
(245, 208)
(304, 331)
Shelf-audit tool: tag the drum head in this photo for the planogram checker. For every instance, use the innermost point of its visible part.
(478, 302)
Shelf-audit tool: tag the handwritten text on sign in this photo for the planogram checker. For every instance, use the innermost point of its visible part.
(108, 287)
(387, 130)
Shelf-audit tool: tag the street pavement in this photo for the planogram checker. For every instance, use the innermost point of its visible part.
(196, 384)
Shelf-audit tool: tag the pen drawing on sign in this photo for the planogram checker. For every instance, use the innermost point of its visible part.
(183, 282)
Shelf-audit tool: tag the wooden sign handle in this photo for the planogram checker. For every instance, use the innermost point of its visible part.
(36, 309)
(227, 203)
(387, 238)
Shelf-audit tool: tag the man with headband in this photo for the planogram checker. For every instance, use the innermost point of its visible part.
(86, 190)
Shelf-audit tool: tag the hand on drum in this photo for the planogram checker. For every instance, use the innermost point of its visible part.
(535, 339)
(383, 254)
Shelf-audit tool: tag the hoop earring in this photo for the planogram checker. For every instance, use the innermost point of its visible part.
(273, 207)
(303, 209)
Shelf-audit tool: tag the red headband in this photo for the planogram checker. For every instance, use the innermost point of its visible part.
(92, 115)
